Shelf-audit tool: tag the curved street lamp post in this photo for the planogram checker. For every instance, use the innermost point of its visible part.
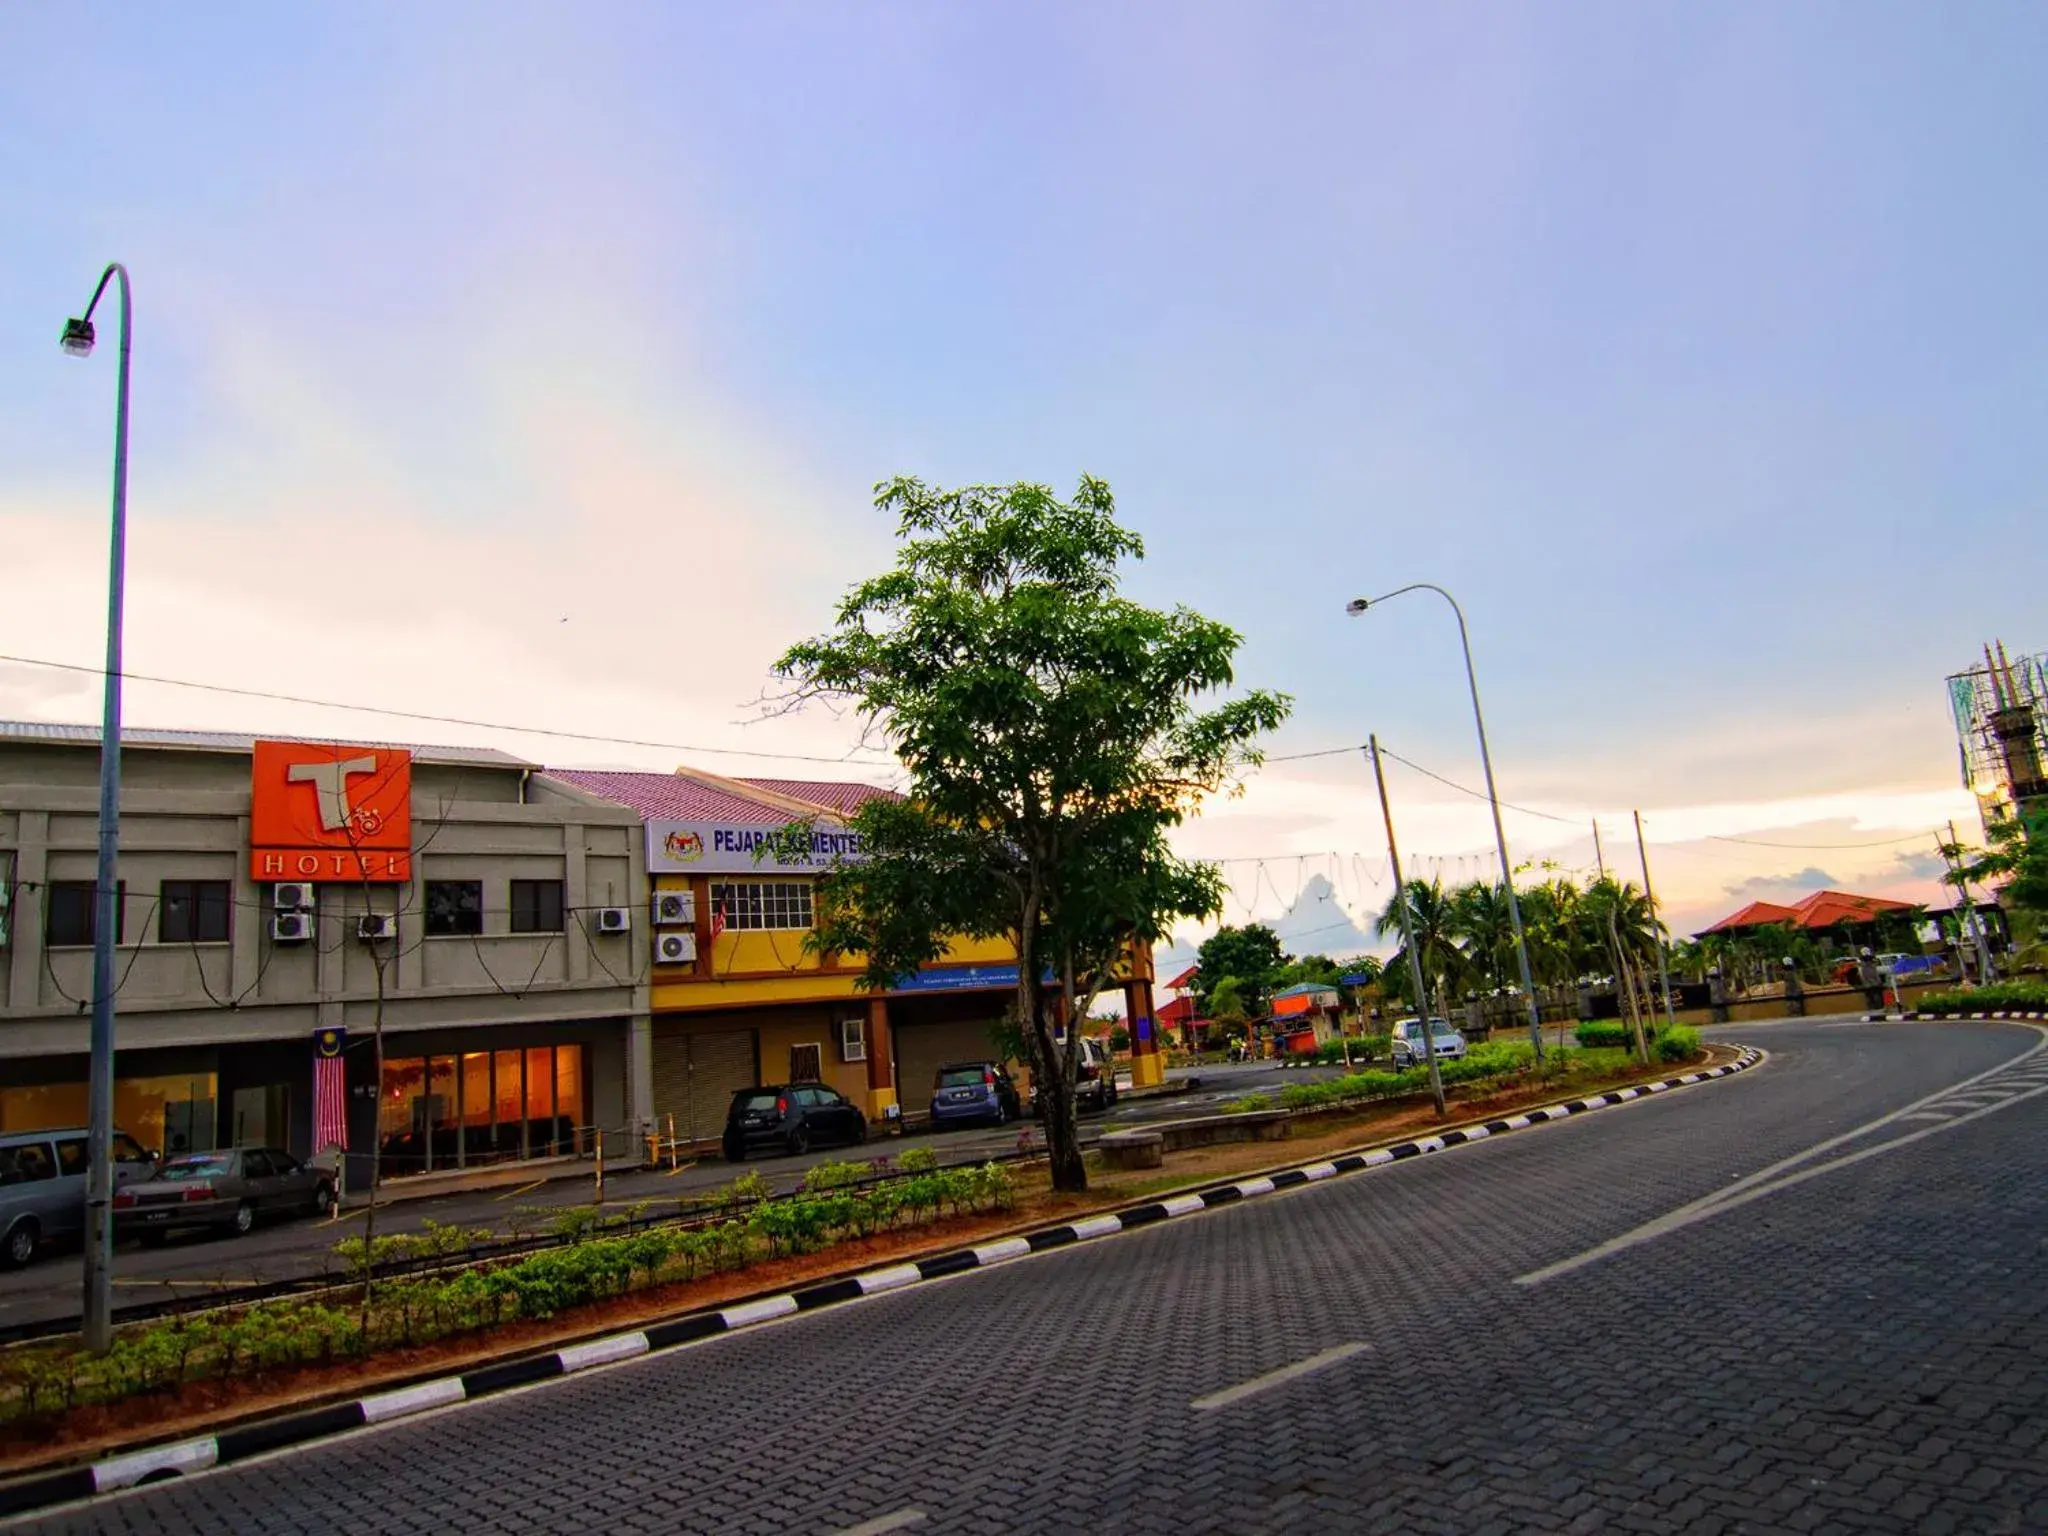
(1359, 605)
(77, 340)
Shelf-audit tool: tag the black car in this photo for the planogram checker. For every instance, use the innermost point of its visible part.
(792, 1117)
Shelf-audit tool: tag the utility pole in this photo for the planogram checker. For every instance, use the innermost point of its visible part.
(1599, 858)
(1985, 970)
(1436, 1081)
(1656, 937)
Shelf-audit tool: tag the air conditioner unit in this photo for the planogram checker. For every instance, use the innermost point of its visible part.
(293, 896)
(674, 907)
(372, 926)
(614, 920)
(291, 927)
(676, 949)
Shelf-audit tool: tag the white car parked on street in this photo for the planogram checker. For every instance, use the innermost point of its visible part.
(1407, 1042)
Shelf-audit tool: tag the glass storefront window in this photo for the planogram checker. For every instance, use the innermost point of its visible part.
(166, 1113)
(449, 1111)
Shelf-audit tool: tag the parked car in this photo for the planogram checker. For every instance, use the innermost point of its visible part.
(791, 1116)
(42, 1187)
(1448, 1044)
(1094, 1076)
(229, 1191)
(975, 1091)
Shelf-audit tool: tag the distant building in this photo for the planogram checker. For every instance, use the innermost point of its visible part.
(1855, 919)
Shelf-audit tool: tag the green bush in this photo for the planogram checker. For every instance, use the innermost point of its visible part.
(1602, 1034)
(2024, 996)
(918, 1160)
(1677, 1042)
(830, 1175)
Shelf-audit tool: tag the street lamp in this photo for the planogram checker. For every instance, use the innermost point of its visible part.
(1359, 605)
(77, 340)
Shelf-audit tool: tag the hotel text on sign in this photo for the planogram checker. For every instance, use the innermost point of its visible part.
(330, 812)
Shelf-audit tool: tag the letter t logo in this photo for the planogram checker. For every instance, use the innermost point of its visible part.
(330, 786)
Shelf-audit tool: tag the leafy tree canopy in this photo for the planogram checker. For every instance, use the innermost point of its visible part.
(1053, 732)
(1250, 954)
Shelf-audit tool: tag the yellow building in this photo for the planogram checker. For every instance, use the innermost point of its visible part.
(738, 999)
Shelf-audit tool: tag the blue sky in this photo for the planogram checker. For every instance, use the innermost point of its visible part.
(532, 365)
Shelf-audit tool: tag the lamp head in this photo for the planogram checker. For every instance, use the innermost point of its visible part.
(1357, 605)
(77, 338)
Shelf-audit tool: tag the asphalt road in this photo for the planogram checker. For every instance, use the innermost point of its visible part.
(195, 1263)
(1643, 1319)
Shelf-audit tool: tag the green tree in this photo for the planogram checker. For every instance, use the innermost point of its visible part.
(1485, 931)
(1320, 969)
(1226, 1002)
(1443, 963)
(1251, 954)
(1052, 735)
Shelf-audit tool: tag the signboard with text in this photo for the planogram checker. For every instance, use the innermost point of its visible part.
(323, 811)
(742, 848)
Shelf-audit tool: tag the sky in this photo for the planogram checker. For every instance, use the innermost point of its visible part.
(531, 365)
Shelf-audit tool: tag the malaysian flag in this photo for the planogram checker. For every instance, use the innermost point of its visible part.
(330, 1091)
(717, 921)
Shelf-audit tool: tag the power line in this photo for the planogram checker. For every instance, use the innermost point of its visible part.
(482, 725)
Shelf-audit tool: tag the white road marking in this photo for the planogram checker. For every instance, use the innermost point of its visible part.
(902, 1520)
(1281, 1377)
(1183, 1205)
(1741, 1194)
(1097, 1226)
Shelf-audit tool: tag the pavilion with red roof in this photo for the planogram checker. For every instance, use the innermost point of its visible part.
(1819, 913)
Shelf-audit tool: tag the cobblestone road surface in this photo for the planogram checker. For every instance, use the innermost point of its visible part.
(1857, 1349)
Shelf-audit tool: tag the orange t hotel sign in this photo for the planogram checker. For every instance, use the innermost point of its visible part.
(324, 811)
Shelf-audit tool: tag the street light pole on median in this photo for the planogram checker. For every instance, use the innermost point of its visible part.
(77, 340)
(1359, 605)
(1427, 1023)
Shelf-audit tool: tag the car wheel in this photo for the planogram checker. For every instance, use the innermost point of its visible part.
(21, 1243)
(323, 1198)
(800, 1140)
(244, 1218)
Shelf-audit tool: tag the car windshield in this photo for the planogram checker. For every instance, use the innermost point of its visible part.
(960, 1077)
(217, 1167)
(761, 1099)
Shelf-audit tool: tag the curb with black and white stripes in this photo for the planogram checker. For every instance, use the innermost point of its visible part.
(159, 1463)
(2003, 1014)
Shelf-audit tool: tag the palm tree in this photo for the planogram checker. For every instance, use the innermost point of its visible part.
(1429, 909)
(1479, 917)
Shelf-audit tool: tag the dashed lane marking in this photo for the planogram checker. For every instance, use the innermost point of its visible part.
(1279, 1378)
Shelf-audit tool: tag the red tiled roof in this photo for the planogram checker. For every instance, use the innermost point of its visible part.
(1755, 915)
(673, 797)
(1184, 980)
(1823, 909)
(840, 797)
(1180, 1011)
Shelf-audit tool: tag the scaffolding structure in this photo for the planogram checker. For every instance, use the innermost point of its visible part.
(2001, 714)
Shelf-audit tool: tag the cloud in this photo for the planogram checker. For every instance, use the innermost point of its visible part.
(1920, 866)
(1764, 887)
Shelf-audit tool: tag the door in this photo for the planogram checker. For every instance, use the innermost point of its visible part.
(64, 1198)
(259, 1180)
(294, 1182)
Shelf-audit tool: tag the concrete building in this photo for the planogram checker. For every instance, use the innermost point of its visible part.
(738, 998)
(270, 891)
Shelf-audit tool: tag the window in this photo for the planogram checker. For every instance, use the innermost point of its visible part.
(69, 921)
(751, 905)
(192, 912)
(853, 1039)
(536, 906)
(71, 1156)
(256, 1165)
(27, 1164)
(454, 907)
(804, 1065)
(128, 1150)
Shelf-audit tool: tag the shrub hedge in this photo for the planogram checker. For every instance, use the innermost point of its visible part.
(2025, 996)
(38, 1381)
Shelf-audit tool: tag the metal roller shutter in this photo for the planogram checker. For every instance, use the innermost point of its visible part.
(696, 1074)
(921, 1049)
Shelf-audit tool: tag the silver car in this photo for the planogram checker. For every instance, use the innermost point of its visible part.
(1407, 1042)
(229, 1191)
(42, 1187)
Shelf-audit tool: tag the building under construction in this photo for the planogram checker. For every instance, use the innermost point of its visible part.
(2001, 712)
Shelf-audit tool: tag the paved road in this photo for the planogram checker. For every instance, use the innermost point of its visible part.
(1857, 1348)
(200, 1262)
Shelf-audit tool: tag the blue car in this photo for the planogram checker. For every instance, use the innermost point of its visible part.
(975, 1091)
